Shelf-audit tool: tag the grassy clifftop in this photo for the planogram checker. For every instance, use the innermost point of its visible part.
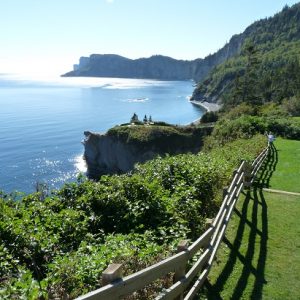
(164, 137)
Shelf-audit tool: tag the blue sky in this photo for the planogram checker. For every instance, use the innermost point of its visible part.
(50, 36)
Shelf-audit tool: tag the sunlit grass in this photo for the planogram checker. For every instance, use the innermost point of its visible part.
(287, 174)
(260, 257)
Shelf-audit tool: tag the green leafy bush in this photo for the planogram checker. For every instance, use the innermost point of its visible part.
(80, 271)
(57, 246)
(227, 129)
(292, 105)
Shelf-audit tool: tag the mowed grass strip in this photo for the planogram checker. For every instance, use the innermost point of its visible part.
(260, 255)
(287, 173)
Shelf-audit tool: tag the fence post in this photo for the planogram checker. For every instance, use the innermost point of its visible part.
(112, 273)
(181, 271)
(182, 246)
(208, 222)
(233, 173)
(247, 174)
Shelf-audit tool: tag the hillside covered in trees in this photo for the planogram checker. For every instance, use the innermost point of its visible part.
(267, 68)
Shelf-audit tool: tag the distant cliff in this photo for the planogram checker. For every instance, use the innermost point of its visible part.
(155, 67)
(122, 147)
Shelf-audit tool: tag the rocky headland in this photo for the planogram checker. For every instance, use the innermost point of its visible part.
(155, 67)
(118, 150)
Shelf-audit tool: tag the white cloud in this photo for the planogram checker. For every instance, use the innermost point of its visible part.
(109, 1)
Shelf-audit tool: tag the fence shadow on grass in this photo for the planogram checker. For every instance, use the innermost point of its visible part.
(253, 261)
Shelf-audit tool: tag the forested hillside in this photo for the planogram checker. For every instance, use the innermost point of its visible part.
(267, 69)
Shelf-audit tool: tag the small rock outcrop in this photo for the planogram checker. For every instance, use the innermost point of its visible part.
(118, 150)
(109, 155)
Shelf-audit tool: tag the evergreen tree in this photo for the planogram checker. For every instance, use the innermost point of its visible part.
(134, 118)
(237, 92)
(250, 80)
(145, 120)
(245, 87)
(266, 87)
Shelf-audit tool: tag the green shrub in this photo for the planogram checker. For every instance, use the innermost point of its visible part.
(209, 117)
(227, 130)
(58, 246)
(80, 271)
(292, 105)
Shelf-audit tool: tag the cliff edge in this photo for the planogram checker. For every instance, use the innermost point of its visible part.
(118, 150)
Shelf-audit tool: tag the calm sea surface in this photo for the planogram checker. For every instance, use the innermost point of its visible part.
(42, 122)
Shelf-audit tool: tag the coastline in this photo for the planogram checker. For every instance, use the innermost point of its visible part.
(207, 106)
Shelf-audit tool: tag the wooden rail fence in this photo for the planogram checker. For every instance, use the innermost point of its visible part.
(203, 249)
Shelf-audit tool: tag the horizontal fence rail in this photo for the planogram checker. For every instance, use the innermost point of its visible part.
(204, 249)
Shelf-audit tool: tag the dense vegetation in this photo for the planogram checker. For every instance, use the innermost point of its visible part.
(164, 137)
(57, 245)
(244, 121)
(267, 69)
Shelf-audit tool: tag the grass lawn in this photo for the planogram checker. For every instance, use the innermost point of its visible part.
(287, 173)
(260, 255)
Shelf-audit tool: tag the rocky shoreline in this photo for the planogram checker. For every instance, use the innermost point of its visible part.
(207, 105)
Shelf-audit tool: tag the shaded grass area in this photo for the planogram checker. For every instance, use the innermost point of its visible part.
(260, 255)
(287, 175)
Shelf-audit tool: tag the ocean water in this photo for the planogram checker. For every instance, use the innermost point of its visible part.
(42, 121)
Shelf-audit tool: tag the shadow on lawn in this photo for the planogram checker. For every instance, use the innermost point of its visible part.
(254, 254)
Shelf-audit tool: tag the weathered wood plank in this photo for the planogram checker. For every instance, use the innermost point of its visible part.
(201, 242)
(111, 273)
(223, 205)
(233, 182)
(180, 272)
(198, 284)
(140, 279)
(179, 287)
